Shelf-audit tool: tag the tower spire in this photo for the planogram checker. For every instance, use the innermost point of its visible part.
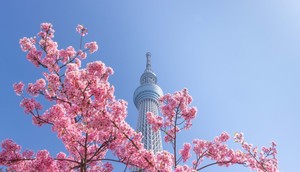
(148, 64)
(148, 77)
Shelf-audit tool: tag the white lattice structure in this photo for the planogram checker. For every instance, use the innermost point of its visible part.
(146, 99)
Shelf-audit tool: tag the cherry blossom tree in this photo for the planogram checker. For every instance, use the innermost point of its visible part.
(90, 121)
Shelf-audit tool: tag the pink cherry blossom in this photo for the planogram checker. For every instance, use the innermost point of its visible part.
(185, 152)
(30, 104)
(49, 62)
(184, 168)
(34, 56)
(27, 43)
(47, 28)
(239, 137)
(176, 107)
(155, 121)
(81, 30)
(67, 54)
(82, 54)
(223, 137)
(92, 46)
(38, 87)
(164, 161)
(50, 47)
(18, 88)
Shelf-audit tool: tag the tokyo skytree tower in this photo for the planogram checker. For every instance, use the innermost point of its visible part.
(146, 99)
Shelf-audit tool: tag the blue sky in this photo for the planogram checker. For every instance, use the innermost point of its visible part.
(239, 59)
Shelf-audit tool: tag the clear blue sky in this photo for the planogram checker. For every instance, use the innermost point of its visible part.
(240, 61)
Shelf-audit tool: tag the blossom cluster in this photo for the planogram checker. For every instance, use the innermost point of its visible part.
(218, 151)
(84, 112)
(185, 152)
(49, 56)
(176, 107)
(30, 104)
(81, 30)
(18, 88)
(263, 160)
(92, 46)
(176, 111)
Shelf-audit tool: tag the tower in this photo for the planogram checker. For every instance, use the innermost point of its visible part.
(146, 99)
